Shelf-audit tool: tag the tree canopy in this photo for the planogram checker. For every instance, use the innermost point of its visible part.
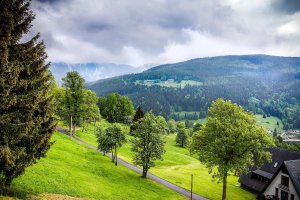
(148, 143)
(116, 108)
(27, 107)
(230, 141)
(110, 140)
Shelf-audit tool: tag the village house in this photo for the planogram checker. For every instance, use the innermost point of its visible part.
(259, 178)
(285, 184)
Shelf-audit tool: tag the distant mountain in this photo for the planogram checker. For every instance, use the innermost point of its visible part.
(261, 83)
(92, 71)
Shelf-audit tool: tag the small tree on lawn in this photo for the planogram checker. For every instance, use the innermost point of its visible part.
(230, 141)
(148, 145)
(182, 135)
(110, 140)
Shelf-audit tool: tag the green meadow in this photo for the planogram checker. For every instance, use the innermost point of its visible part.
(177, 167)
(74, 170)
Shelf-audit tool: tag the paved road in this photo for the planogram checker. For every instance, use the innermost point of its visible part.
(157, 179)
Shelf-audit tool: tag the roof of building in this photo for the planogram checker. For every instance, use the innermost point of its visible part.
(269, 169)
(263, 173)
(293, 168)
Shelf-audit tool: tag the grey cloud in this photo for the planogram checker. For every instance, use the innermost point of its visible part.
(287, 6)
(125, 31)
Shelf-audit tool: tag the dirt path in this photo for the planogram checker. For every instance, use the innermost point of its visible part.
(157, 179)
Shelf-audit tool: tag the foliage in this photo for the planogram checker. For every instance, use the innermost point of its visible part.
(182, 135)
(115, 108)
(230, 141)
(110, 140)
(172, 127)
(139, 114)
(74, 99)
(91, 112)
(197, 127)
(26, 108)
(148, 144)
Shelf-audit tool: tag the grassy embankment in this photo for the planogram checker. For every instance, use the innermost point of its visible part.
(177, 167)
(75, 170)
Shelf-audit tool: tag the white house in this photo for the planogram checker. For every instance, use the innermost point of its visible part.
(285, 184)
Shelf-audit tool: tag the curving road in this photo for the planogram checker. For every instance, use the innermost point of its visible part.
(157, 179)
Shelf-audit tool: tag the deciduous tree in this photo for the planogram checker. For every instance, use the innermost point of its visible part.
(182, 135)
(230, 141)
(110, 140)
(74, 99)
(148, 143)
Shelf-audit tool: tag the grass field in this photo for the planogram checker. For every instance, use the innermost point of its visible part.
(177, 167)
(173, 84)
(269, 122)
(75, 170)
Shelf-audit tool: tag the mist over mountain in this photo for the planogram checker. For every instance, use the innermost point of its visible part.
(91, 71)
(260, 83)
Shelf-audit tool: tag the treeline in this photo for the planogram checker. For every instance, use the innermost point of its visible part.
(260, 97)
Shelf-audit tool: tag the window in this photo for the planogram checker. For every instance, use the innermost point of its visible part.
(285, 181)
(276, 192)
(292, 197)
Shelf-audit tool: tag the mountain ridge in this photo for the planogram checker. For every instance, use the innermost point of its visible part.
(263, 84)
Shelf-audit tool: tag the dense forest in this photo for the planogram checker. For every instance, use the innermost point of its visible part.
(262, 84)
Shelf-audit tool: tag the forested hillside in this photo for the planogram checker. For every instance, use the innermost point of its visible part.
(263, 84)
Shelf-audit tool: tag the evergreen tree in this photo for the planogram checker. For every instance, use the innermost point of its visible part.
(26, 108)
(139, 114)
(74, 100)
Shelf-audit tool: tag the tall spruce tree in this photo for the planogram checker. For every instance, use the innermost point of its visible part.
(26, 106)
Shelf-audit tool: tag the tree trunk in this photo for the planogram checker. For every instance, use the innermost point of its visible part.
(70, 126)
(224, 186)
(112, 155)
(74, 129)
(144, 172)
(116, 157)
(83, 126)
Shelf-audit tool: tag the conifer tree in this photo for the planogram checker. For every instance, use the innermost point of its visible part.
(139, 114)
(26, 106)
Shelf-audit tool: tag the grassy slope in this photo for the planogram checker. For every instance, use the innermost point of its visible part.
(177, 168)
(269, 122)
(75, 170)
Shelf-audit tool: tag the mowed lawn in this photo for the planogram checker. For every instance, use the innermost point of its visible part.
(177, 167)
(75, 170)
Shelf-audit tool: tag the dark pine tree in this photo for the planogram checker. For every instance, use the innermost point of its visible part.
(139, 114)
(26, 108)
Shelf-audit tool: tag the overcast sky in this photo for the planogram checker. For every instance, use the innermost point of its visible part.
(139, 32)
